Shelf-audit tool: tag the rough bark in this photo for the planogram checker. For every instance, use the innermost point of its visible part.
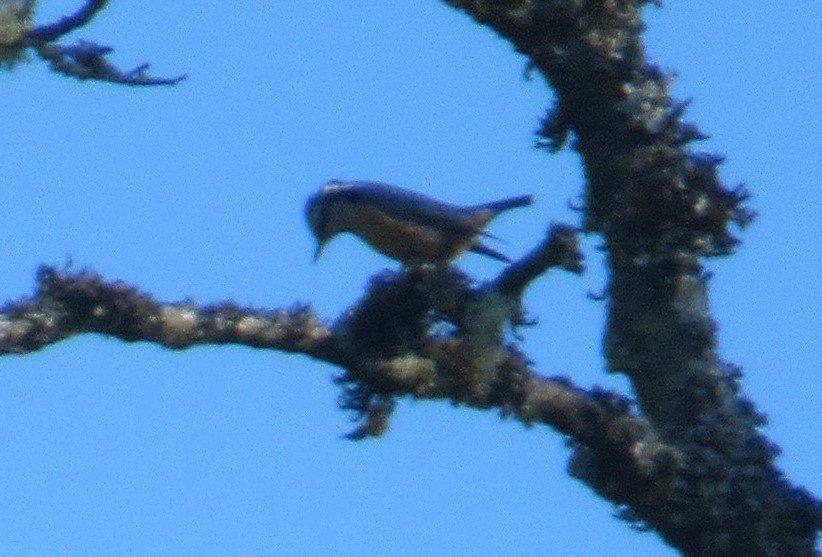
(660, 208)
(686, 460)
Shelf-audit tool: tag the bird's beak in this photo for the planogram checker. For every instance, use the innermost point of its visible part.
(318, 251)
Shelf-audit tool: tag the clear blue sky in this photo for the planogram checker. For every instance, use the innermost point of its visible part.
(197, 191)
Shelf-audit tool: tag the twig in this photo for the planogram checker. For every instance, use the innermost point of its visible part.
(47, 33)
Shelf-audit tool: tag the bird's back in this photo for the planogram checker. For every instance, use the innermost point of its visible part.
(406, 225)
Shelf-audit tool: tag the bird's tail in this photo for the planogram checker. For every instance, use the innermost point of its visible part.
(490, 252)
(497, 207)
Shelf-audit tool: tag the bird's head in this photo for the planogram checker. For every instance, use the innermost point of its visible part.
(322, 211)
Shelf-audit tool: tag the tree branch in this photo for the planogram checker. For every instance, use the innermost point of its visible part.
(692, 465)
(87, 60)
(387, 347)
(65, 25)
(660, 208)
(69, 304)
(561, 249)
(385, 344)
(82, 60)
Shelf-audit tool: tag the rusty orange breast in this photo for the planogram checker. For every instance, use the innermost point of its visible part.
(405, 241)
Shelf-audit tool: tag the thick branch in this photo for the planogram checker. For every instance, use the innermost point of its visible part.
(67, 304)
(440, 367)
(387, 350)
(660, 208)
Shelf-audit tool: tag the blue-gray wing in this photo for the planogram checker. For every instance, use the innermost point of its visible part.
(407, 205)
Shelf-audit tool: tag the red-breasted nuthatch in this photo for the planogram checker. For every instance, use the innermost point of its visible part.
(402, 224)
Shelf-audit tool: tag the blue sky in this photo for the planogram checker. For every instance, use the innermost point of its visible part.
(198, 191)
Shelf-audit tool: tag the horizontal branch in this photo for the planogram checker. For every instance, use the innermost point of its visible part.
(455, 368)
(87, 60)
(384, 344)
(69, 304)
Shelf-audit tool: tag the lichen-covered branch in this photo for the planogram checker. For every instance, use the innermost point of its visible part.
(68, 304)
(560, 249)
(427, 333)
(390, 344)
(82, 60)
(688, 460)
(661, 208)
(15, 21)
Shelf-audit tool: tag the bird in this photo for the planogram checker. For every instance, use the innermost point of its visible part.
(404, 225)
